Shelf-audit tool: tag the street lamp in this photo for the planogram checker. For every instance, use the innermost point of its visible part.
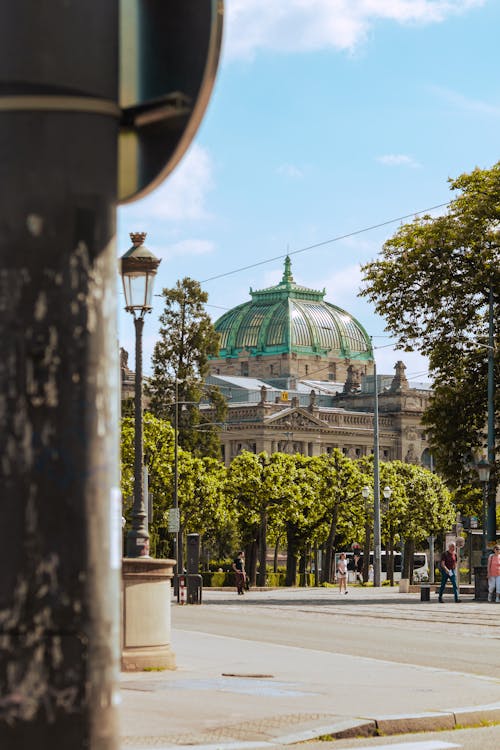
(175, 525)
(138, 269)
(366, 492)
(389, 562)
(377, 551)
(483, 469)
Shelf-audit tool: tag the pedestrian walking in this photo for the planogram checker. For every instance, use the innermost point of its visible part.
(239, 572)
(448, 571)
(357, 567)
(342, 573)
(494, 574)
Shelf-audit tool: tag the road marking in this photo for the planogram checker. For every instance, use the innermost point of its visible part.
(430, 745)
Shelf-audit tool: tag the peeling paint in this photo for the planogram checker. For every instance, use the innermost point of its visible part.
(41, 306)
(34, 224)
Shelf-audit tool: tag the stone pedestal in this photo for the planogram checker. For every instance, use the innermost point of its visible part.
(481, 583)
(146, 595)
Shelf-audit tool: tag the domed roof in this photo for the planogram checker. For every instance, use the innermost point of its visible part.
(291, 318)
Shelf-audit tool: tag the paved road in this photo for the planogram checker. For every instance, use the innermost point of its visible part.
(463, 637)
(276, 668)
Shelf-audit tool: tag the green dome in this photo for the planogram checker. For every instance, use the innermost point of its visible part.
(291, 318)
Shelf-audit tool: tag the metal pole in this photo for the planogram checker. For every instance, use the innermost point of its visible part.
(138, 534)
(484, 549)
(432, 572)
(176, 477)
(60, 507)
(377, 552)
(491, 523)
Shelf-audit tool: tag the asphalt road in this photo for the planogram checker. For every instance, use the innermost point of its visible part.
(462, 637)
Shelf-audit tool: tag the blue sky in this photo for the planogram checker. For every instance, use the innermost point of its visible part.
(327, 117)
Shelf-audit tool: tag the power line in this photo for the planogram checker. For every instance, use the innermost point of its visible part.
(325, 242)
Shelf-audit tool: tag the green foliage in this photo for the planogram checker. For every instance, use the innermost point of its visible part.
(187, 339)
(201, 496)
(431, 284)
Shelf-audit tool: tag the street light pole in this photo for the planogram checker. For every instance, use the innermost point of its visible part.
(138, 269)
(389, 562)
(483, 469)
(176, 482)
(491, 499)
(366, 551)
(377, 552)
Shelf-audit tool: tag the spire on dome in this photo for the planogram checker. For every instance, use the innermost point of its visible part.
(287, 275)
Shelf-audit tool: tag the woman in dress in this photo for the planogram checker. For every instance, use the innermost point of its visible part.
(342, 573)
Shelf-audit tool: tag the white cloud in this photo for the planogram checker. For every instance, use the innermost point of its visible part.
(183, 195)
(305, 25)
(398, 160)
(290, 170)
(476, 106)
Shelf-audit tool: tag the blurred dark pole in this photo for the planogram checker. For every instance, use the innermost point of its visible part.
(492, 505)
(60, 509)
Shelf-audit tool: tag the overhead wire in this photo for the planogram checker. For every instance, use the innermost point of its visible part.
(323, 243)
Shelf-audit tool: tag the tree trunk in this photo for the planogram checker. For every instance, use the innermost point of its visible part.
(390, 559)
(291, 557)
(263, 548)
(251, 562)
(316, 560)
(326, 573)
(276, 550)
(303, 565)
(366, 551)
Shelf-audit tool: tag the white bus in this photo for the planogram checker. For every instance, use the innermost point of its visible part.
(420, 565)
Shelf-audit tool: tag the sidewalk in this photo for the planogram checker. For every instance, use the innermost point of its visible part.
(231, 693)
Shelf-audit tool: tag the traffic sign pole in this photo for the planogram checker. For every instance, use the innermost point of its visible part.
(60, 511)
(61, 108)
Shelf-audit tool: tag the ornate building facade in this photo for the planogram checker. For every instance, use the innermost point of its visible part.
(297, 373)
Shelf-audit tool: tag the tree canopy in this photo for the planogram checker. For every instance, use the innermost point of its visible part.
(187, 338)
(432, 285)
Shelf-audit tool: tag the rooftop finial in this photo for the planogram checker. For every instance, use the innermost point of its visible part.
(287, 276)
(138, 238)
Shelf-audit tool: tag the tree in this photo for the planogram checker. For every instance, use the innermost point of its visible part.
(340, 491)
(158, 454)
(427, 508)
(180, 365)
(243, 487)
(432, 285)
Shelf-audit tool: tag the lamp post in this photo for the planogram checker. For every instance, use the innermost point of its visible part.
(483, 470)
(366, 551)
(138, 269)
(377, 552)
(387, 492)
(176, 514)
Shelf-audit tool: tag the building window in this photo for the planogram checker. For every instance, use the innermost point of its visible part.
(271, 369)
(244, 369)
(358, 452)
(307, 369)
(333, 371)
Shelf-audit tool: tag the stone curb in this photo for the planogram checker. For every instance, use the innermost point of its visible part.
(400, 724)
(390, 724)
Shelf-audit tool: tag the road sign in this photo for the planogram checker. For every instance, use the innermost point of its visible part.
(169, 53)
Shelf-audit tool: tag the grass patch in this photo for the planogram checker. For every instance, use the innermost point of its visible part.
(154, 669)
